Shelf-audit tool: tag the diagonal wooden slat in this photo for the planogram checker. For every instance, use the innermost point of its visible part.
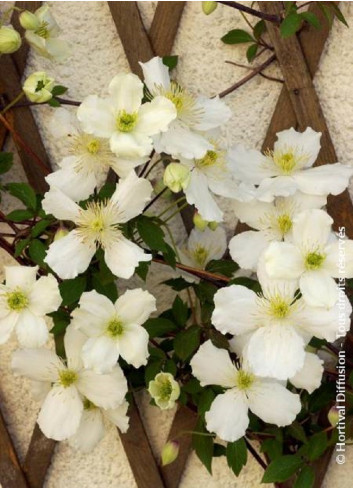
(165, 26)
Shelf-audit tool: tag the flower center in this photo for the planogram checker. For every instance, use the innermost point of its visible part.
(314, 260)
(93, 146)
(284, 223)
(287, 159)
(42, 30)
(244, 380)
(200, 255)
(40, 85)
(99, 223)
(126, 122)
(67, 377)
(209, 159)
(279, 308)
(17, 300)
(165, 390)
(115, 328)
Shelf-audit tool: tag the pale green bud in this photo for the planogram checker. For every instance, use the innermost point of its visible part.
(176, 177)
(209, 7)
(333, 416)
(38, 87)
(199, 222)
(170, 452)
(213, 225)
(164, 390)
(29, 21)
(61, 233)
(10, 40)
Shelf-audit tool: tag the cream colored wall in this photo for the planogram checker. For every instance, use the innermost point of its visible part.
(97, 56)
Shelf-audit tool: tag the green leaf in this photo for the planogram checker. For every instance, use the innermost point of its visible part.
(24, 193)
(259, 29)
(251, 52)
(20, 246)
(205, 292)
(177, 284)
(317, 445)
(106, 191)
(180, 311)
(158, 327)
(223, 267)
(297, 431)
(311, 19)
(218, 450)
(186, 342)
(108, 289)
(170, 367)
(58, 90)
(203, 445)
(192, 386)
(290, 6)
(152, 370)
(290, 24)
(53, 102)
(142, 269)
(205, 400)
(37, 251)
(6, 162)
(169, 256)
(61, 320)
(40, 227)
(20, 215)
(338, 13)
(282, 468)
(306, 477)
(151, 233)
(170, 61)
(218, 339)
(237, 36)
(72, 289)
(237, 455)
(249, 283)
(273, 448)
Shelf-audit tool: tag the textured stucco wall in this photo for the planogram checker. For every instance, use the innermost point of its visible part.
(98, 55)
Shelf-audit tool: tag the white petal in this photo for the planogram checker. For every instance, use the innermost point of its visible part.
(73, 342)
(119, 417)
(133, 345)
(32, 331)
(70, 256)
(300, 202)
(215, 242)
(339, 258)
(248, 165)
(44, 296)
(197, 193)
(283, 261)
(324, 179)
(75, 184)
(213, 366)
(123, 167)
(247, 247)
(37, 364)
(58, 49)
(104, 390)
(238, 343)
(312, 228)
(61, 206)
(96, 116)
(126, 90)
(253, 213)
(282, 186)
(135, 306)
(90, 431)
(123, 257)
(20, 276)
(156, 74)
(310, 375)
(179, 140)
(228, 415)
(318, 288)
(268, 355)
(272, 287)
(234, 310)
(155, 116)
(61, 413)
(303, 144)
(273, 403)
(131, 196)
(131, 145)
(7, 325)
(214, 113)
(100, 354)
(93, 314)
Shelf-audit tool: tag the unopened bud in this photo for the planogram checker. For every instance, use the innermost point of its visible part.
(333, 416)
(170, 452)
(199, 222)
(213, 225)
(176, 177)
(61, 233)
(209, 7)
(10, 40)
(38, 87)
(29, 21)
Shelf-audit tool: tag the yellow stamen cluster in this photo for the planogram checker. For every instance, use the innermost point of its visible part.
(17, 300)
(67, 377)
(314, 260)
(244, 380)
(287, 159)
(98, 223)
(279, 307)
(284, 223)
(210, 159)
(200, 255)
(115, 328)
(126, 122)
(43, 30)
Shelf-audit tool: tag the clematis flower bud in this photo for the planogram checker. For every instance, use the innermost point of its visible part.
(176, 177)
(333, 416)
(213, 225)
(29, 21)
(199, 222)
(164, 390)
(170, 452)
(38, 87)
(209, 7)
(10, 40)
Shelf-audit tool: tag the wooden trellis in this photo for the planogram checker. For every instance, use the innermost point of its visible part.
(298, 106)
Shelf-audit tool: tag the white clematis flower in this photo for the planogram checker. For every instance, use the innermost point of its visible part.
(67, 385)
(195, 114)
(209, 175)
(42, 34)
(91, 429)
(114, 329)
(89, 162)
(228, 414)
(287, 168)
(98, 226)
(24, 303)
(123, 119)
(272, 221)
(269, 322)
(313, 258)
